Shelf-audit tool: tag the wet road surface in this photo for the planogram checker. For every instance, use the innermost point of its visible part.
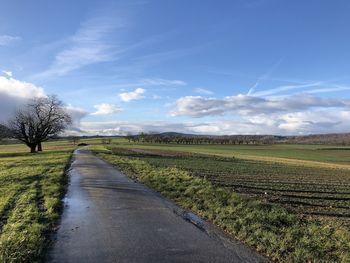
(110, 218)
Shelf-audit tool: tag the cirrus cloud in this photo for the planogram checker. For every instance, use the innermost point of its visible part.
(203, 91)
(90, 44)
(162, 82)
(6, 40)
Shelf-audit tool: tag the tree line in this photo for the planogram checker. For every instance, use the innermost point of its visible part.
(192, 139)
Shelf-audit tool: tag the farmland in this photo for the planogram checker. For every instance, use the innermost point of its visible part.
(307, 190)
(290, 202)
(311, 180)
(313, 155)
(300, 187)
(31, 188)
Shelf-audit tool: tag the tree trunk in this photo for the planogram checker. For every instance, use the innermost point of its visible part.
(32, 148)
(40, 148)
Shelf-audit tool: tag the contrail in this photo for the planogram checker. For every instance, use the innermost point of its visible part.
(265, 76)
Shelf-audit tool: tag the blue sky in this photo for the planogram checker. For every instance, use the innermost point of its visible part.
(210, 67)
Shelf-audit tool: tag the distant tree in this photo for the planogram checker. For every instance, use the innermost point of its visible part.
(142, 136)
(129, 137)
(40, 120)
(74, 140)
(4, 132)
(106, 140)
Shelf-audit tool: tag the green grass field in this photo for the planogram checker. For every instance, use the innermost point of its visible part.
(31, 188)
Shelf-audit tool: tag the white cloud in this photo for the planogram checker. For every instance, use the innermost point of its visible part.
(297, 114)
(106, 109)
(6, 40)
(7, 73)
(303, 122)
(197, 106)
(125, 127)
(285, 124)
(16, 93)
(133, 95)
(215, 128)
(21, 89)
(203, 91)
(76, 114)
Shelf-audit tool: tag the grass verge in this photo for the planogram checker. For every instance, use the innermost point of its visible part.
(31, 189)
(271, 229)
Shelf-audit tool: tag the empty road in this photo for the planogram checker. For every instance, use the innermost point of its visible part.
(110, 218)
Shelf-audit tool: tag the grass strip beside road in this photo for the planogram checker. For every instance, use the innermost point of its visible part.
(271, 229)
(31, 189)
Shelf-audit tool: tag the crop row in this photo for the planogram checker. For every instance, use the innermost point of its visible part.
(307, 190)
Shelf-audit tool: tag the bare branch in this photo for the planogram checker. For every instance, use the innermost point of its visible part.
(40, 120)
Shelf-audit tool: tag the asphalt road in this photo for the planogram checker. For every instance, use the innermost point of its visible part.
(110, 218)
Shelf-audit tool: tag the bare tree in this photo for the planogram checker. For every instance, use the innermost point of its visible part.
(40, 120)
